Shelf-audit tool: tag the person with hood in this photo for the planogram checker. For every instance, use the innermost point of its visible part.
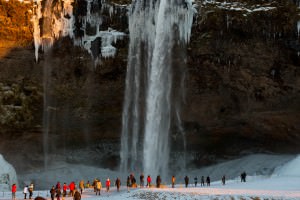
(13, 191)
(77, 195)
(25, 191)
(107, 184)
(52, 192)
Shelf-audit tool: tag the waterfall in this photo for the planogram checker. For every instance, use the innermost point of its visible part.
(155, 28)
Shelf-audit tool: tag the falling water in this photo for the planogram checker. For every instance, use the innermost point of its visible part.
(148, 105)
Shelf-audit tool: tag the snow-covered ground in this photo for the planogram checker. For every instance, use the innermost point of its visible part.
(283, 183)
(275, 188)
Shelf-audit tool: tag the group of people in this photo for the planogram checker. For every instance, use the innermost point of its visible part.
(186, 181)
(27, 190)
(58, 190)
(131, 181)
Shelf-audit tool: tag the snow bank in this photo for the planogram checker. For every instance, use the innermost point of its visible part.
(8, 175)
(289, 169)
(65, 172)
(253, 165)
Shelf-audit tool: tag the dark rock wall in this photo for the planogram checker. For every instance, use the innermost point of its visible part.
(241, 96)
(243, 85)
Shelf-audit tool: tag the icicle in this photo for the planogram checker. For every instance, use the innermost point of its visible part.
(55, 27)
(36, 27)
(298, 28)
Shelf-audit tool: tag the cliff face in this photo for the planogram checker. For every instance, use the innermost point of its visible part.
(243, 85)
(242, 89)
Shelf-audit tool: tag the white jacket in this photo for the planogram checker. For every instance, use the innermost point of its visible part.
(25, 190)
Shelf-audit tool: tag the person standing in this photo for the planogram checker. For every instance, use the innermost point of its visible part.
(202, 181)
(52, 192)
(186, 180)
(107, 183)
(207, 181)
(87, 184)
(148, 181)
(57, 185)
(81, 186)
(98, 186)
(13, 191)
(65, 187)
(118, 184)
(30, 189)
(58, 193)
(173, 181)
(158, 181)
(142, 180)
(72, 188)
(196, 181)
(25, 191)
(223, 179)
(128, 183)
(243, 177)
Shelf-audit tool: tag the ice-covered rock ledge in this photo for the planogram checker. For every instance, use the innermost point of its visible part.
(8, 175)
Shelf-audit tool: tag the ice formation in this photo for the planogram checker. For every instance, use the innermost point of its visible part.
(8, 175)
(59, 21)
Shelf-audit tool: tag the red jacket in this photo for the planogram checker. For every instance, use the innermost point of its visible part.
(14, 188)
(72, 186)
(107, 183)
(149, 179)
(65, 187)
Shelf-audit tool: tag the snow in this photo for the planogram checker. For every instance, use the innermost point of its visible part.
(289, 169)
(261, 188)
(279, 181)
(8, 174)
(239, 6)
